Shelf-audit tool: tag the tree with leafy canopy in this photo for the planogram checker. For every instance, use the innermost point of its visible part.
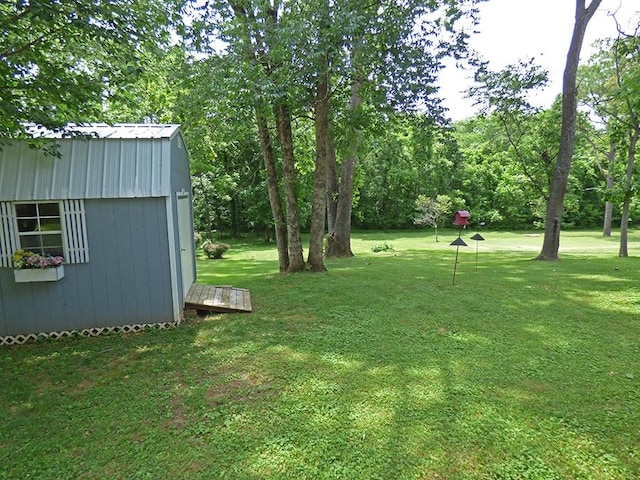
(60, 60)
(611, 90)
(295, 58)
(555, 205)
(395, 50)
(430, 210)
(594, 80)
(529, 130)
(254, 70)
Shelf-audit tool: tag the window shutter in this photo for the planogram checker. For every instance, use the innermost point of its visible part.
(75, 229)
(8, 239)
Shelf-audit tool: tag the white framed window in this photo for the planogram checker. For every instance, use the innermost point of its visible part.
(44, 227)
(40, 228)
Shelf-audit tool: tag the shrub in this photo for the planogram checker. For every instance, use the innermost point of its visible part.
(382, 247)
(197, 239)
(214, 250)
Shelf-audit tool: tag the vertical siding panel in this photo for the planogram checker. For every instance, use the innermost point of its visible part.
(162, 303)
(128, 169)
(94, 170)
(9, 171)
(112, 170)
(26, 309)
(37, 191)
(153, 236)
(139, 223)
(52, 180)
(139, 161)
(73, 171)
(109, 289)
(5, 282)
(130, 252)
(45, 171)
(4, 167)
(81, 307)
(23, 174)
(93, 278)
(63, 169)
(151, 158)
(76, 169)
(42, 308)
(13, 321)
(154, 168)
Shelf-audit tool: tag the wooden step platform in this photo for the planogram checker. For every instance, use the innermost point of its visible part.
(218, 298)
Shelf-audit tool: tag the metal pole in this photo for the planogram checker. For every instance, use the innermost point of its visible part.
(476, 255)
(478, 238)
(455, 266)
(458, 242)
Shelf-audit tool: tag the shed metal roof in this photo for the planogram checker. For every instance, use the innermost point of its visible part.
(107, 161)
(103, 130)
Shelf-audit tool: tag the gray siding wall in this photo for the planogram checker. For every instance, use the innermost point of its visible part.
(127, 281)
(180, 175)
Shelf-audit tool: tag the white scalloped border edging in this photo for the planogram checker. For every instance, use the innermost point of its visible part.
(86, 332)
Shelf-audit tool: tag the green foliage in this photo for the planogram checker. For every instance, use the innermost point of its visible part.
(378, 369)
(431, 210)
(408, 157)
(382, 247)
(59, 61)
(156, 92)
(609, 88)
(198, 239)
(214, 250)
(275, 55)
(508, 167)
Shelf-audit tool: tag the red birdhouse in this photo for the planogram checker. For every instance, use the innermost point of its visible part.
(462, 218)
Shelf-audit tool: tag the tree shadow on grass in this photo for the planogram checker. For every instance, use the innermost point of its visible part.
(380, 370)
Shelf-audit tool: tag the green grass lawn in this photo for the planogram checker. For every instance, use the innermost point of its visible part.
(379, 369)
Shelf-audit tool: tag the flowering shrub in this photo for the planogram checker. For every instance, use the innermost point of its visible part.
(23, 259)
(214, 250)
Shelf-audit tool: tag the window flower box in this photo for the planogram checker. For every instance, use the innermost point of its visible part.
(35, 267)
(52, 274)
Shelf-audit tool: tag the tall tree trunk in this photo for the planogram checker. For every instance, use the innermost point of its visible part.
(274, 193)
(234, 217)
(555, 205)
(610, 183)
(608, 216)
(332, 183)
(624, 226)
(283, 124)
(339, 237)
(628, 190)
(319, 204)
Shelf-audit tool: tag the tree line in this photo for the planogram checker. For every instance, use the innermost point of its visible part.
(323, 116)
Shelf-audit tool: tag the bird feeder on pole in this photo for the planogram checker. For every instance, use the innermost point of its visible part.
(462, 218)
(458, 242)
(478, 238)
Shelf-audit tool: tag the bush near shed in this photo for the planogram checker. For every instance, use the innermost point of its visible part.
(214, 250)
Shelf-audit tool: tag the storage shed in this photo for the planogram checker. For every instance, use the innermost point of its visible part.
(116, 204)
